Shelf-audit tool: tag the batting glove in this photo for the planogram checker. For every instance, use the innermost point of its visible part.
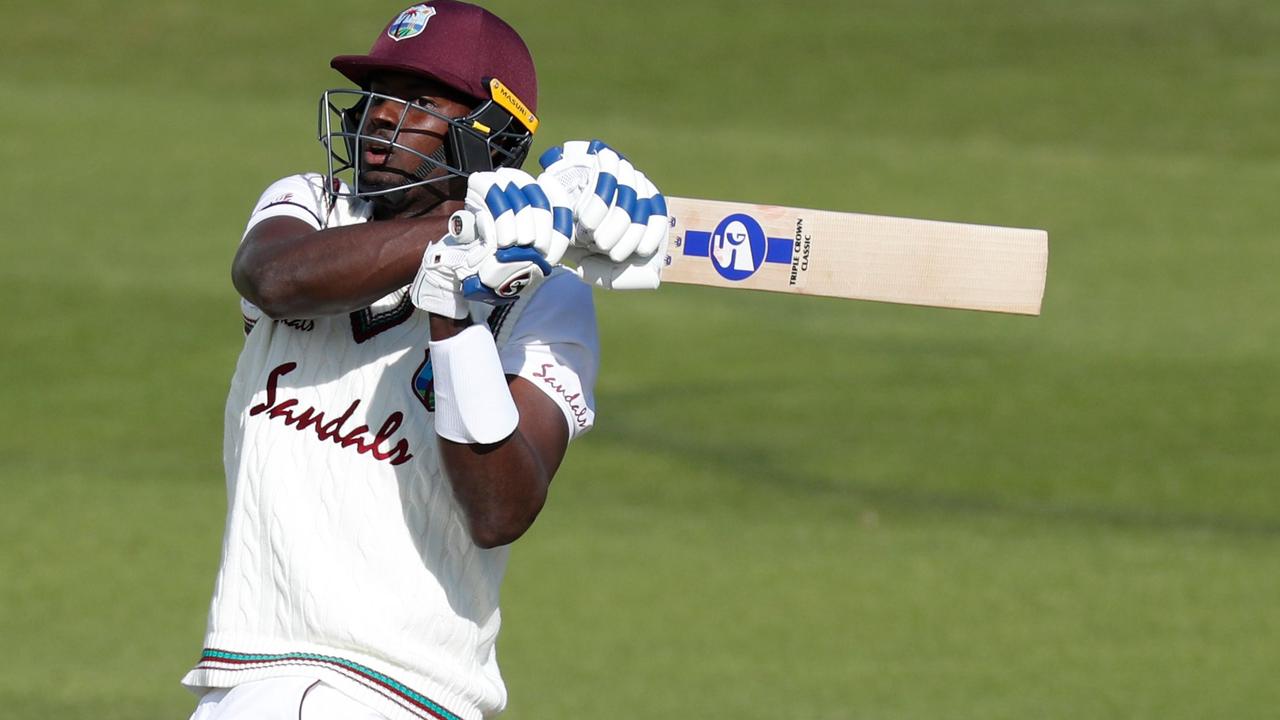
(512, 210)
(463, 267)
(617, 210)
(633, 274)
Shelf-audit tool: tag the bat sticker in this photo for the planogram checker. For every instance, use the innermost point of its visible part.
(737, 247)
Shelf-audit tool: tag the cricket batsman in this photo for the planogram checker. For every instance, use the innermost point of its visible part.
(416, 363)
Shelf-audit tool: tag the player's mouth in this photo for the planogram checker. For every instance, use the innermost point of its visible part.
(375, 152)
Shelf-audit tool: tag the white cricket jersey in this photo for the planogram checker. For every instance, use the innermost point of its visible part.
(345, 556)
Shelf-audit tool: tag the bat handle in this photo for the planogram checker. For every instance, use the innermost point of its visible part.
(462, 226)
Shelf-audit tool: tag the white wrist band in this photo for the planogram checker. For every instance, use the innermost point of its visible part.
(473, 403)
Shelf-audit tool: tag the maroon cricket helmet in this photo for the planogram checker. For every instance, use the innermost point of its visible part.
(459, 44)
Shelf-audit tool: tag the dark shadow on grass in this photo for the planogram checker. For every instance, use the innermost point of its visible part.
(976, 505)
(765, 466)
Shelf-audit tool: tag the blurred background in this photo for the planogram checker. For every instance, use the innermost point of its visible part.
(790, 506)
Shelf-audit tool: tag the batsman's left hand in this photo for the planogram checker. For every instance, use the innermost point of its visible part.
(618, 211)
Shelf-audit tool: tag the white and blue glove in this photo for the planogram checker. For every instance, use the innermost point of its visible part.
(511, 234)
(512, 209)
(637, 274)
(462, 267)
(618, 212)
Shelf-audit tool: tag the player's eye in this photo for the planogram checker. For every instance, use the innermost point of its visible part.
(426, 101)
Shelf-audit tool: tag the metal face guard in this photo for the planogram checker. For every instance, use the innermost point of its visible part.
(487, 138)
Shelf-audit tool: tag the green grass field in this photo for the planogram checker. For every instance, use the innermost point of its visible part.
(790, 507)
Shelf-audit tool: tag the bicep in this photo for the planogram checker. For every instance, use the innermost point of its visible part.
(263, 237)
(262, 245)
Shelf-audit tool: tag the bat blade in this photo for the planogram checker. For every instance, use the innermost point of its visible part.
(857, 256)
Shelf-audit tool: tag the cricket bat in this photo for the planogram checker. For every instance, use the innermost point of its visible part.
(857, 256)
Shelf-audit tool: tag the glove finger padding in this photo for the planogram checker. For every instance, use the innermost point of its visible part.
(636, 218)
(487, 202)
(657, 225)
(509, 208)
(647, 222)
(530, 208)
(635, 274)
(561, 216)
(608, 235)
(594, 204)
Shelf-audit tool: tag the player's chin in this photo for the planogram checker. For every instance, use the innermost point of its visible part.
(382, 180)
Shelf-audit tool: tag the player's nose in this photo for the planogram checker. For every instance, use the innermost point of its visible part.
(384, 112)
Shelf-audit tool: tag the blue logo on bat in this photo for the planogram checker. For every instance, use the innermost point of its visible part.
(738, 247)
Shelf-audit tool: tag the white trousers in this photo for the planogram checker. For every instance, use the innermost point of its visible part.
(290, 698)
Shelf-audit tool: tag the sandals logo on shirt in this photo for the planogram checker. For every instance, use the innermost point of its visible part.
(410, 23)
(569, 391)
(333, 429)
(424, 387)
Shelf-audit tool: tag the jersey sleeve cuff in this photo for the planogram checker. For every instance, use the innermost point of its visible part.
(284, 209)
(559, 382)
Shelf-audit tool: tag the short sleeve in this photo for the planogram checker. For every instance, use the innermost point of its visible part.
(250, 314)
(554, 344)
(297, 196)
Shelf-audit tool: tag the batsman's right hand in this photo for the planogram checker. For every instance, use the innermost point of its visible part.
(511, 209)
